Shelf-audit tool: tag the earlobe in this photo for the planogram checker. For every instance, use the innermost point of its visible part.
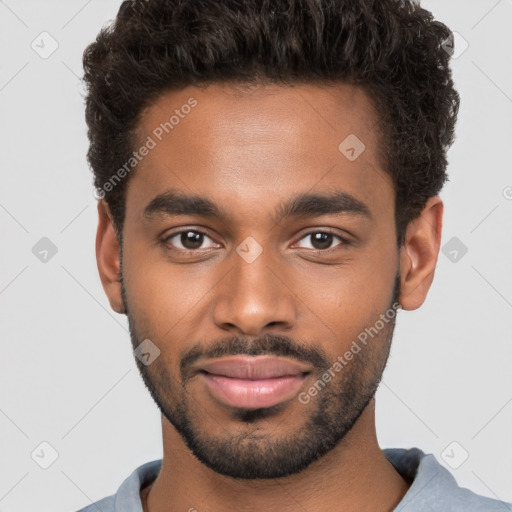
(108, 257)
(418, 255)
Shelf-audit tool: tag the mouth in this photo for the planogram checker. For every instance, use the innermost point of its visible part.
(253, 382)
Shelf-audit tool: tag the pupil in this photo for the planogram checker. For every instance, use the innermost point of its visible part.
(192, 240)
(322, 240)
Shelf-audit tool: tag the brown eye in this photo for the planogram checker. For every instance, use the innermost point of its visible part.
(191, 239)
(187, 240)
(323, 240)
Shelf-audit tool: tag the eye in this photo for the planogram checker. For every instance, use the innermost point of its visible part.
(322, 240)
(188, 240)
(192, 240)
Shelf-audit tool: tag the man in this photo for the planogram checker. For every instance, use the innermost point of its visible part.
(268, 175)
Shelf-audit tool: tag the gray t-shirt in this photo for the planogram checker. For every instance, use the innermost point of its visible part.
(433, 488)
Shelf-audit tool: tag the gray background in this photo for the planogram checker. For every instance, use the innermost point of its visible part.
(68, 377)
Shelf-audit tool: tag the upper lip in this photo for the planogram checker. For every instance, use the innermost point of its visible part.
(254, 367)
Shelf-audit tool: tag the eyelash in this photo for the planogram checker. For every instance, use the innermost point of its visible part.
(343, 240)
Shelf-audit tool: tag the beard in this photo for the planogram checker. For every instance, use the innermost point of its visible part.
(253, 452)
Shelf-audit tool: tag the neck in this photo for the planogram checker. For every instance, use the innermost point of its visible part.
(354, 476)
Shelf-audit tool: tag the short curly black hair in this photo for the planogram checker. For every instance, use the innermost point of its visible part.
(393, 49)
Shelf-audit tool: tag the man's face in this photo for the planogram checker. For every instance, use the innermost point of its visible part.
(260, 279)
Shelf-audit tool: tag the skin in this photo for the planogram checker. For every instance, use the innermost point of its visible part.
(249, 152)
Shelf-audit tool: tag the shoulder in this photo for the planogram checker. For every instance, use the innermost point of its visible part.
(107, 504)
(127, 497)
(433, 487)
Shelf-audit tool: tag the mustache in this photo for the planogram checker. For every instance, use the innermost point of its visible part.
(267, 345)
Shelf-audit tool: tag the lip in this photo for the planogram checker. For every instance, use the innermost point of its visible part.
(249, 367)
(253, 382)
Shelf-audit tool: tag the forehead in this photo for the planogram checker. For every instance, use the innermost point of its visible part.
(239, 145)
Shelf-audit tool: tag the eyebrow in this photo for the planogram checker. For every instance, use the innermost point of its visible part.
(174, 202)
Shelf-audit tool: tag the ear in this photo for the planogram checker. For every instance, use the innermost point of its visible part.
(108, 257)
(418, 255)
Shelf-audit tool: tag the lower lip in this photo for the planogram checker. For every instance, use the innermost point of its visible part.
(253, 394)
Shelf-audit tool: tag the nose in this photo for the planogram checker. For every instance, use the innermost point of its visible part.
(254, 297)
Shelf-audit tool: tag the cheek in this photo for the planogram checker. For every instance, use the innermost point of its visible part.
(350, 298)
(360, 283)
(163, 297)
